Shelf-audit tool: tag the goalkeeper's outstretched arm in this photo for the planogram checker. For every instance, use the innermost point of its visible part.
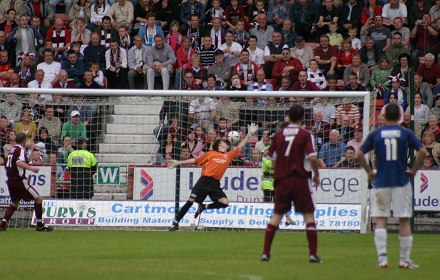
(175, 163)
(252, 129)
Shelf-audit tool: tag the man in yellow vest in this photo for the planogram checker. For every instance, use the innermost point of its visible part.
(267, 182)
(82, 165)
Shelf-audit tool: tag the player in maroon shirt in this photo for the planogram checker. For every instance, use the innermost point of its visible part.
(19, 188)
(294, 158)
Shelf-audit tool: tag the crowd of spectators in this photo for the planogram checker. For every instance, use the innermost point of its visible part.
(252, 45)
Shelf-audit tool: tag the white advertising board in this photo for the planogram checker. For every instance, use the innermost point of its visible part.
(161, 214)
(40, 181)
(427, 190)
(241, 184)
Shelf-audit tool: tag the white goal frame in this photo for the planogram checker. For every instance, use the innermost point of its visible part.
(144, 93)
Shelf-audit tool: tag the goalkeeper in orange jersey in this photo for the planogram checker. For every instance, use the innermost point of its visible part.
(214, 164)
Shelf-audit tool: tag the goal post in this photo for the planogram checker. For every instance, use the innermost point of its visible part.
(131, 180)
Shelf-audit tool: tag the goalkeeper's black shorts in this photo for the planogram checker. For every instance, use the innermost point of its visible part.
(207, 186)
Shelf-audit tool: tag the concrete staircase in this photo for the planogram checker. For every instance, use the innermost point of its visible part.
(128, 139)
(129, 134)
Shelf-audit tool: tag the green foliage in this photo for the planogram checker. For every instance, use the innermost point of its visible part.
(63, 254)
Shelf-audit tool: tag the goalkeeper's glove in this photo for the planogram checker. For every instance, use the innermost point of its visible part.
(252, 129)
(173, 163)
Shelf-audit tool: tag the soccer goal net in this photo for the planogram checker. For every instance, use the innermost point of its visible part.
(133, 134)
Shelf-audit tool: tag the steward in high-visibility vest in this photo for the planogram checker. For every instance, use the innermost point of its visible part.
(82, 165)
(267, 177)
(267, 183)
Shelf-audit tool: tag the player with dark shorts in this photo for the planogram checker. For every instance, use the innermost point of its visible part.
(214, 164)
(18, 186)
(294, 156)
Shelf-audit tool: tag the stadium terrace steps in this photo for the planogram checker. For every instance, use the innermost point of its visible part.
(126, 148)
(129, 139)
(135, 119)
(131, 129)
(126, 158)
(143, 109)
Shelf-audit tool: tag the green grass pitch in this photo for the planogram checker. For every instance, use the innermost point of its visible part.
(73, 254)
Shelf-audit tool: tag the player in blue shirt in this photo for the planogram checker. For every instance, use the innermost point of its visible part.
(391, 186)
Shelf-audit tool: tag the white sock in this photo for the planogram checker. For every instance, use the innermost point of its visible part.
(405, 247)
(380, 239)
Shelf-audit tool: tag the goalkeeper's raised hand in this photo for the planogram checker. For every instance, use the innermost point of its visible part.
(252, 129)
(173, 163)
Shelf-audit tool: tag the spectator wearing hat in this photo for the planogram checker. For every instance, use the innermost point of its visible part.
(396, 87)
(74, 128)
(82, 166)
(220, 69)
(301, 51)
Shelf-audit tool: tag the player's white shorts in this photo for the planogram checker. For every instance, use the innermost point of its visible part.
(398, 199)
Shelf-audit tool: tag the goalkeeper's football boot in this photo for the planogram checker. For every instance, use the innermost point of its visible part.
(199, 211)
(44, 228)
(265, 258)
(408, 264)
(174, 227)
(315, 259)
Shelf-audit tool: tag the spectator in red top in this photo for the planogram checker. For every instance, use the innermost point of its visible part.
(303, 84)
(326, 55)
(287, 66)
(430, 71)
(433, 126)
(184, 53)
(345, 55)
(9, 24)
(6, 68)
(370, 11)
